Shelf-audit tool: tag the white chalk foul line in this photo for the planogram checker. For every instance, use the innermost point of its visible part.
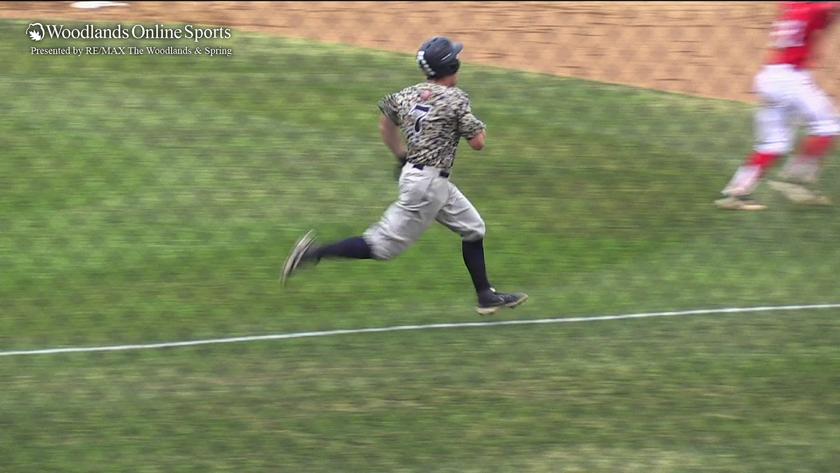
(404, 328)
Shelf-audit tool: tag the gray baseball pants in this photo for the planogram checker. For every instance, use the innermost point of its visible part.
(425, 197)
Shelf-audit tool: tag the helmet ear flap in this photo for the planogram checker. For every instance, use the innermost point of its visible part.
(450, 68)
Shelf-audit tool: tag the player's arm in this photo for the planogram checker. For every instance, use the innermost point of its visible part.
(392, 137)
(471, 128)
(389, 127)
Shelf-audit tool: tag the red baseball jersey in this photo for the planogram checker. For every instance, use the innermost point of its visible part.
(794, 33)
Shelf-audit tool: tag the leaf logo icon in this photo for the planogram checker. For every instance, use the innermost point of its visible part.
(35, 31)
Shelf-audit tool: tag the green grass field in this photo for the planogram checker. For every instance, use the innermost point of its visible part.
(152, 199)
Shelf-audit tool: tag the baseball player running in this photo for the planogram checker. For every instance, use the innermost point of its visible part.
(434, 116)
(788, 92)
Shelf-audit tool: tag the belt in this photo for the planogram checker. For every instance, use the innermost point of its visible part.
(421, 166)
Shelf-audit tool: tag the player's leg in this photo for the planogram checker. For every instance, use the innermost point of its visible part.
(422, 194)
(460, 216)
(823, 127)
(774, 134)
(305, 252)
(802, 171)
(352, 248)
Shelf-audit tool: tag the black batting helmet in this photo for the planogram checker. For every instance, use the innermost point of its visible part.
(438, 57)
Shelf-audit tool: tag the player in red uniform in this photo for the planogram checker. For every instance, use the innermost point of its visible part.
(788, 92)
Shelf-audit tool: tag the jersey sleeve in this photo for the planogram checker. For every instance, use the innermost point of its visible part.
(389, 105)
(468, 124)
(832, 11)
(823, 14)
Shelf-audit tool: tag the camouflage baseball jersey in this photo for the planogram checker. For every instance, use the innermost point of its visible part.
(433, 118)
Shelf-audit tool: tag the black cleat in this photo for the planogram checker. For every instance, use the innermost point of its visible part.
(491, 301)
(297, 257)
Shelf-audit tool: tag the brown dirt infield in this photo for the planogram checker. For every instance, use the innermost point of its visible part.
(700, 48)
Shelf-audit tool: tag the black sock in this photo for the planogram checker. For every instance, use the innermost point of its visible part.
(474, 259)
(355, 247)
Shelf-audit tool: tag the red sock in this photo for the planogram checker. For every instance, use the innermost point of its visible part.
(816, 146)
(762, 160)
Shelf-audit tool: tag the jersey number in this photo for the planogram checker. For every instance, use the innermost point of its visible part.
(788, 34)
(419, 112)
